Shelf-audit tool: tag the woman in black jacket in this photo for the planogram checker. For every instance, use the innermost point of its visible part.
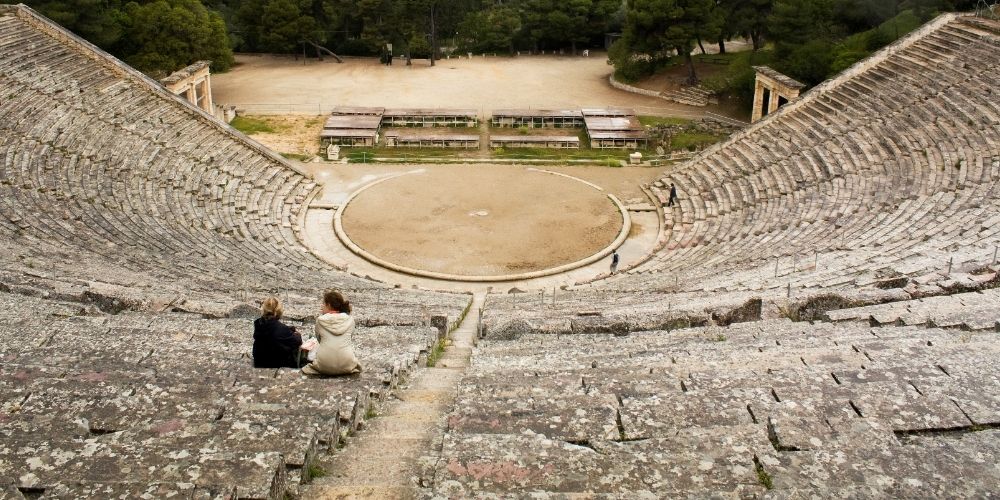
(275, 345)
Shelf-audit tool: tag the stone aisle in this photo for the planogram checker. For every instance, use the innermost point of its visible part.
(387, 458)
(484, 138)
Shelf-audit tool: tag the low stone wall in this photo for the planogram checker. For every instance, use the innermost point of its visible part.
(653, 93)
(629, 88)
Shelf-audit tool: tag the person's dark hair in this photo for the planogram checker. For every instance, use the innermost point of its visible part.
(335, 300)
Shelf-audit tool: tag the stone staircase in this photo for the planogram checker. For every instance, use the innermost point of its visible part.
(690, 95)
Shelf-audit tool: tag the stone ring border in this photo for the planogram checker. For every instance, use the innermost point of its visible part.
(338, 227)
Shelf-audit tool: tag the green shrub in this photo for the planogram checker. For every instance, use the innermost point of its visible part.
(316, 471)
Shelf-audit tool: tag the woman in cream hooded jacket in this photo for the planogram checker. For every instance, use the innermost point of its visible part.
(334, 328)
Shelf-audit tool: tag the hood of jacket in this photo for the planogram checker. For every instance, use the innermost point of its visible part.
(336, 324)
(262, 326)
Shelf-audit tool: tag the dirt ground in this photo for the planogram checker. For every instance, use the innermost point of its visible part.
(282, 85)
(461, 219)
(340, 180)
(454, 219)
(292, 134)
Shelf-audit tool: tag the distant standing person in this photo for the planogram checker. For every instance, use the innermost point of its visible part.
(275, 344)
(334, 328)
(614, 262)
(673, 195)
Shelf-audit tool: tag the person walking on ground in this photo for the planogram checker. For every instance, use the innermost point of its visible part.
(275, 344)
(614, 262)
(334, 328)
(673, 195)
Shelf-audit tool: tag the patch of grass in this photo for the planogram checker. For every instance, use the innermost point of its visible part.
(366, 154)
(693, 140)
(652, 121)
(719, 338)
(316, 471)
(561, 154)
(418, 155)
(297, 156)
(436, 352)
(762, 476)
(371, 413)
(461, 317)
(250, 126)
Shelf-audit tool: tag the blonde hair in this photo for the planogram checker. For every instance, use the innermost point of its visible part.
(271, 308)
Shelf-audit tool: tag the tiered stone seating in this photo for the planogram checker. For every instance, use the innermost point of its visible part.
(890, 169)
(136, 235)
(771, 408)
(593, 310)
(108, 181)
(906, 142)
(966, 311)
(134, 400)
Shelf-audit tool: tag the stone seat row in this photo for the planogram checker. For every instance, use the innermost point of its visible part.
(968, 311)
(129, 224)
(897, 240)
(229, 196)
(887, 228)
(86, 398)
(729, 200)
(124, 192)
(818, 211)
(965, 200)
(138, 287)
(721, 409)
(983, 166)
(189, 129)
(284, 236)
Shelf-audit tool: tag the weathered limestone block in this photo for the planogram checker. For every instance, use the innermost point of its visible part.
(574, 419)
(42, 465)
(904, 409)
(659, 416)
(184, 491)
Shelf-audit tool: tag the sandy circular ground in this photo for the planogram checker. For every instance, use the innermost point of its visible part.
(460, 221)
(282, 85)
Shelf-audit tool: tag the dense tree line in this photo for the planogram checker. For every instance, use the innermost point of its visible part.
(808, 39)
(160, 36)
(363, 27)
(155, 36)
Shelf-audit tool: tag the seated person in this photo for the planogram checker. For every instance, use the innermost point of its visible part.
(275, 345)
(334, 354)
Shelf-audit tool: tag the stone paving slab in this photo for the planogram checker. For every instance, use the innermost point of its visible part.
(848, 392)
(658, 416)
(931, 468)
(633, 383)
(9, 492)
(42, 465)
(905, 409)
(681, 465)
(574, 418)
(179, 491)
